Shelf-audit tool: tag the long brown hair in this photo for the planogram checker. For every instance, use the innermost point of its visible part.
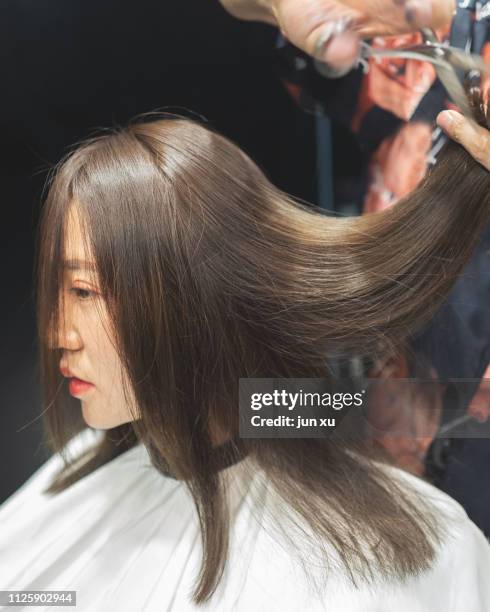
(212, 274)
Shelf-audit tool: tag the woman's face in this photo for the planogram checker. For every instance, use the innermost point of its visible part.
(88, 345)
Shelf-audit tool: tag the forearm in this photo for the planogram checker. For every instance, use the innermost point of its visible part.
(251, 10)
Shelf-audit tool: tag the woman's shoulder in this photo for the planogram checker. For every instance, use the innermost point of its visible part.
(76, 448)
(78, 444)
(459, 576)
(457, 579)
(449, 509)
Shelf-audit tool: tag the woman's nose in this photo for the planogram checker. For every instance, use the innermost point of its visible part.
(69, 340)
(64, 335)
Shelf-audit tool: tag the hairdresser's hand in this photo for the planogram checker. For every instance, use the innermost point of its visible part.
(474, 138)
(306, 23)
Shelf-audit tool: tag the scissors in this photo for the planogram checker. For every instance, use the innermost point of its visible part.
(450, 64)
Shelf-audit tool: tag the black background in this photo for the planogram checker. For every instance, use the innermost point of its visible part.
(67, 68)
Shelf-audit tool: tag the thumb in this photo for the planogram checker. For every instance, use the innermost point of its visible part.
(474, 138)
(339, 51)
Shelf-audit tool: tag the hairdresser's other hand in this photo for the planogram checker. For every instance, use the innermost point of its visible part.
(474, 138)
(307, 22)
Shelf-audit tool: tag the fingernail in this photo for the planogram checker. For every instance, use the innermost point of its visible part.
(446, 119)
(324, 39)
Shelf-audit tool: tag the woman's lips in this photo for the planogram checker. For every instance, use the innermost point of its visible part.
(79, 387)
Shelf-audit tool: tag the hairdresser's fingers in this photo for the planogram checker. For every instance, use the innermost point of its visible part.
(331, 30)
(474, 138)
(325, 29)
(387, 17)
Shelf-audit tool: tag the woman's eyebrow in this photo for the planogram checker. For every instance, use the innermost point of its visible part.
(78, 264)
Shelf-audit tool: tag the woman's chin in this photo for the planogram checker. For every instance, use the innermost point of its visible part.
(96, 420)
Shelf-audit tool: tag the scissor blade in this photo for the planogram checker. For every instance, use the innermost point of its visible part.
(455, 90)
(444, 60)
(466, 61)
(458, 58)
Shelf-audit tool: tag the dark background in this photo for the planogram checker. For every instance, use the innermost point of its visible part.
(67, 68)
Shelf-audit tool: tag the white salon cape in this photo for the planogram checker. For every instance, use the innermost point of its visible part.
(126, 539)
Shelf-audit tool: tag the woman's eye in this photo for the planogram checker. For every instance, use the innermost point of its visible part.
(82, 294)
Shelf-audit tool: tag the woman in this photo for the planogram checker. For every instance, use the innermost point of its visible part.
(168, 268)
